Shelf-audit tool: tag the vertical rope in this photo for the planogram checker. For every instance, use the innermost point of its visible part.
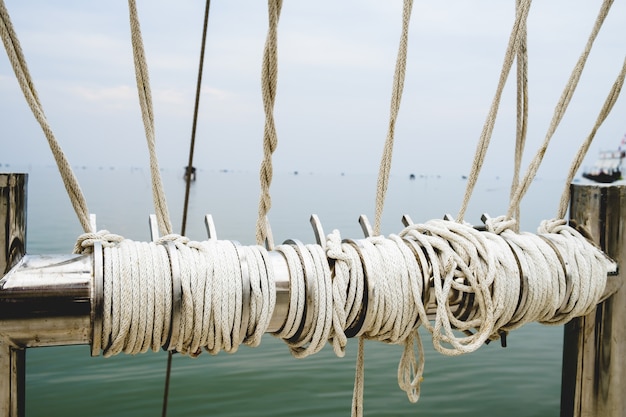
(383, 181)
(188, 170)
(195, 118)
(522, 110)
(18, 62)
(559, 111)
(396, 98)
(147, 114)
(515, 40)
(582, 151)
(269, 78)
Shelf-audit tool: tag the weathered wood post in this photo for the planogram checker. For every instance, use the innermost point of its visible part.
(12, 249)
(594, 351)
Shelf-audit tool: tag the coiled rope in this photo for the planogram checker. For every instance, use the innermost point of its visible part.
(138, 282)
(440, 263)
(378, 288)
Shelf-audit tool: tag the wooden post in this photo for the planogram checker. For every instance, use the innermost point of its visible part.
(594, 349)
(12, 249)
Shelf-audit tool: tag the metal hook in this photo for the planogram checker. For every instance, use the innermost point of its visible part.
(318, 230)
(210, 227)
(406, 220)
(269, 237)
(366, 226)
(154, 227)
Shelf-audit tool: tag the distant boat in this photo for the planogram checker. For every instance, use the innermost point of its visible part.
(608, 168)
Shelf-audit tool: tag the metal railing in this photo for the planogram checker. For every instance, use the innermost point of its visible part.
(57, 300)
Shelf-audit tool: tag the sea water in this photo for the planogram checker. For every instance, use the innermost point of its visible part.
(522, 379)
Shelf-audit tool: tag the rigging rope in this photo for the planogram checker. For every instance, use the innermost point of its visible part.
(559, 111)
(269, 78)
(385, 286)
(18, 62)
(515, 42)
(188, 175)
(147, 115)
(189, 168)
(522, 108)
(584, 147)
(513, 278)
(396, 98)
(383, 180)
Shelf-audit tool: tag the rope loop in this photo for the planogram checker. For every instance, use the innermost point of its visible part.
(499, 224)
(177, 239)
(84, 242)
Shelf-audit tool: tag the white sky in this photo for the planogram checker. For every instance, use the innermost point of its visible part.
(336, 63)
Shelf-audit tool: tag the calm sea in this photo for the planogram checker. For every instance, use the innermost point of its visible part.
(520, 380)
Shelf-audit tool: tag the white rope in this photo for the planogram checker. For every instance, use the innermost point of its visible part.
(347, 289)
(584, 147)
(516, 40)
(425, 274)
(396, 98)
(138, 296)
(269, 80)
(18, 62)
(147, 115)
(559, 110)
(297, 301)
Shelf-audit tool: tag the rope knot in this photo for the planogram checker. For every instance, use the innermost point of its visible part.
(85, 242)
(552, 226)
(334, 249)
(173, 237)
(499, 224)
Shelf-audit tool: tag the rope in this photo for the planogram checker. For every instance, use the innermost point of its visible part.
(189, 168)
(138, 296)
(522, 108)
(396, 97)
(464, 286)
(515, 42)
(188, 175)
(269, 78)
(18, 62)
(147, 115)
(584, 147)
(559, 111)
(383, 178)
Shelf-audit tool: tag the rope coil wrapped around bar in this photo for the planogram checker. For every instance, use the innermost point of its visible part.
(465, 286)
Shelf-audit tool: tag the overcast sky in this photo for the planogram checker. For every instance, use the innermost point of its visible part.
(336, 64)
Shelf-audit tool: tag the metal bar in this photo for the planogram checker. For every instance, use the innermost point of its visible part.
(13, 190)
(594, 350)
(46, 301)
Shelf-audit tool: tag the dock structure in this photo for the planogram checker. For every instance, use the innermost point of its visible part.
(57, 300)
(594, 346)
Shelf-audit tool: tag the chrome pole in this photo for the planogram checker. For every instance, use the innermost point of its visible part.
(594, 346)
(12, 249)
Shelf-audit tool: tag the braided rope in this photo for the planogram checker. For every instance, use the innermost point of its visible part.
(147, 115)
(559, 110)
(269, 78)
(516, 39)
(396, 98)
(18, 62)
(584, 147)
